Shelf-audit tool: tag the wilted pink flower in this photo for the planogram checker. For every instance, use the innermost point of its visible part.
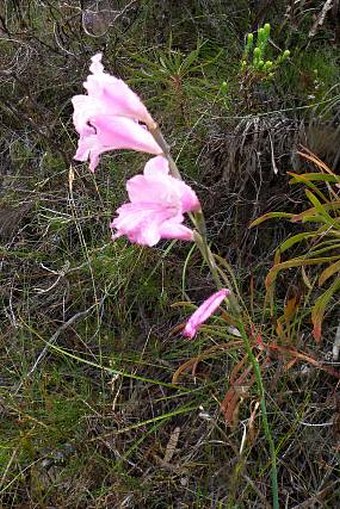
(203, 312)
(108, 117)
(157, 204)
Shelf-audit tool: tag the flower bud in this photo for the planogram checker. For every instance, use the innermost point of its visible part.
(250, 39)
(257, 53)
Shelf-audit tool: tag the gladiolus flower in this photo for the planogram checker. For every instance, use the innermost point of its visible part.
(203, 312)
(109, 117)
(157, 204)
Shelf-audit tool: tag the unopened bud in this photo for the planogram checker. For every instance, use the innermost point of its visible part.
(266, 29)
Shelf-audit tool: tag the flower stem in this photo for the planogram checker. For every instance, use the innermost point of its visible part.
(235, 309)
(202, 244)
(159, 138)
(198, 221)
(200, 238)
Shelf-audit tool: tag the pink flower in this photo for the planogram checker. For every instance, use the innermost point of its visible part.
(108, 117)
(157, 204)
(203, 312)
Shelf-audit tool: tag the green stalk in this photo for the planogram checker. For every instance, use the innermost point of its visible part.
(198, 221)
(200, 239)
(158, 136)
(264, 414)
(201, 243)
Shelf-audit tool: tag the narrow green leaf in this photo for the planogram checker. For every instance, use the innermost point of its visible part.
(304, 180)
(333, 206)
(321, 209)
(318, 177)
(327, 246)
(329, 272)
(295, 262)
(295, 239)
(271, 215)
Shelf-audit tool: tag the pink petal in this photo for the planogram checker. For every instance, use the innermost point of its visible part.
(155, 185)
(109, 133)
(156, 166)
(203, 312)
(109, 117)
(189, 200)
(96, 66)
(156, 208)
(116, 96)
(142, 189)
(160, 165)
(121, 132)
(173, 230)
(84, 108)
(140, 222)
(157, 182)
